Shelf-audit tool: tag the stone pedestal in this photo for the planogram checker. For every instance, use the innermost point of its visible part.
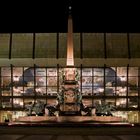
(70, 91)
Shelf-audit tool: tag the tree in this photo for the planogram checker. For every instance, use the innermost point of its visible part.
(29, 108)
(60, 97)
(37, 107)
(104, 109)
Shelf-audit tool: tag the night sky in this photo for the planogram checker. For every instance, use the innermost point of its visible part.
(51, 16)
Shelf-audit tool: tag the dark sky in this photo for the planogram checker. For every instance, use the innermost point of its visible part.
(51, 16)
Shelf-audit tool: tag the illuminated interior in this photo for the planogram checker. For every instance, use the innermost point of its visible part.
(115, 85)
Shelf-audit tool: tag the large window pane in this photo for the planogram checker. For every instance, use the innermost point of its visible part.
(86, 72)
(51, 81)
(121, 91)
(110, 91)
(51, 91)
(132, 91)
(133, 71)
(40, 91)
(6, 102)
(110, 102)
(29, 91)
(121, 103)
(18, 103)
(28, 102)
(86, 81)
(87, 102)
(86, 91)
(133, 102)
(122, 71)
(6, 71)
(40, 81)
(98, 81)
(98, 72)
(18, 91)
(40, 71)
(51, 71)
(98, 91)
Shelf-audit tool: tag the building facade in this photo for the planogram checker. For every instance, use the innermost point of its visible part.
(107, 63)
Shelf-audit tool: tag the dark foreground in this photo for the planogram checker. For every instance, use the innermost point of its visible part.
(69, 137)
(69, 131)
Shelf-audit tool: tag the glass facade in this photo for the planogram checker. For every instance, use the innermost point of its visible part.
(118, 86)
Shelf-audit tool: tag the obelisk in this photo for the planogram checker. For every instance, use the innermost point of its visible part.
(70, 54)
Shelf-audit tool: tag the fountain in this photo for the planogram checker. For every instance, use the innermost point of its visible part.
(69, 99)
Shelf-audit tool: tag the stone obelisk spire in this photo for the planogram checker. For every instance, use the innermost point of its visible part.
(70, 52)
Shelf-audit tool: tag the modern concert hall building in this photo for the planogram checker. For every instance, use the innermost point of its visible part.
(33, 67)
